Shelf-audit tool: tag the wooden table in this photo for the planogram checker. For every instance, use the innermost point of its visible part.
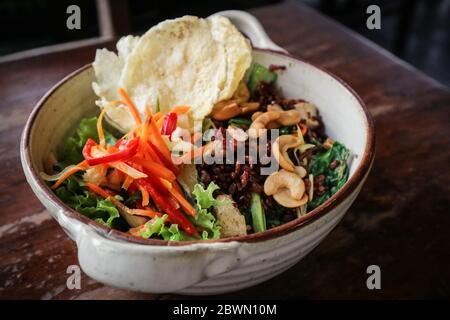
(400, 221)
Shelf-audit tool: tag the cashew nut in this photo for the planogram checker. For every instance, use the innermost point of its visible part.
(307, 112)
(301, 171)
(256, 115)
(280, 147)
(222, 111)
(287, 117)
(283, 197)
(259, 124)
(236, 105)
(249, 107)
(287, 188)
(241, 94)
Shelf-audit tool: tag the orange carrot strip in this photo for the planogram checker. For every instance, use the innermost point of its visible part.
(145, 197)
(127, 182)
(98, 190)
(154, 168)
(81, 166)
(119, 165)
(187, 207)
(131, 105)
(157, 116)
(145, 212)
(158, 141)
(148, 113)
(303, 128)
(145, 132)
(197, 152)
(101, 134)
(180, 109)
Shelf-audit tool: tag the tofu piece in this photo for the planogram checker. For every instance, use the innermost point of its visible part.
(231, 220)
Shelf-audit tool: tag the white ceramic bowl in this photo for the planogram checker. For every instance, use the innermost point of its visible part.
(211, 267)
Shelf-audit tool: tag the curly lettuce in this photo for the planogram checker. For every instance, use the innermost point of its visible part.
(204, 219)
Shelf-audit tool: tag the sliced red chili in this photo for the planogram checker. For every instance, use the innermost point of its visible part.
(169, 124)
(126, 150)
(165, 206)
(167, 163)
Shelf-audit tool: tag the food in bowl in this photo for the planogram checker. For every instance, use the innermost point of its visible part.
(194, 140)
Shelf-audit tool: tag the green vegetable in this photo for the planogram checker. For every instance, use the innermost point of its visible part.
(258, 216)
(76, 196)
(286, 130)
(334, 178)
(71, 151)
(156, 227)
(207, 124)
(205, 219)
(204, 197)
(258, 74)
(158, 108)
(239, 122)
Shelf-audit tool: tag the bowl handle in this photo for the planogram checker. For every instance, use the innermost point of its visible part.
(251, 27)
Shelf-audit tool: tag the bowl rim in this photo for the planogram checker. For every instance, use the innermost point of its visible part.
(283, 229)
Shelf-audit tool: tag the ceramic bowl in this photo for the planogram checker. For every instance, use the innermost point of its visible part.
(211, 267)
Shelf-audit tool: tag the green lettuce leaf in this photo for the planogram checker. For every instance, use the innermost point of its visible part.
(205, 202)
(76, 196)
(71, 151)
(204, 197)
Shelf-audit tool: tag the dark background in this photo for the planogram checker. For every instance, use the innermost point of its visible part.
(417, 31)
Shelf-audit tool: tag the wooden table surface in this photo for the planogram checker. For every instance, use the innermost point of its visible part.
(400, 221)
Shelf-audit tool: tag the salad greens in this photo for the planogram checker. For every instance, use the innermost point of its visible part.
(71, 151)
(334, 177)
(239, 122)
(258, 74)
(76, 196)
(258, 216)
(205, 201)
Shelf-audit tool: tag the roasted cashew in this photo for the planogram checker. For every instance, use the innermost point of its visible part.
(283, 197)
(241, 94)
(287, 117)
(223, 112)
(287, 188)
(280, 147)
(307, 112)
(235, 106)
(259, 124)
(301, 171)
(249, 107)
(256, 115)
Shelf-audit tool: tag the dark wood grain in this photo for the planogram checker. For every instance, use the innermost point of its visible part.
(400, 221)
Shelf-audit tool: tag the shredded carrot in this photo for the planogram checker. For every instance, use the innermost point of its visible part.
(180, 109)
(187, 207)
(197, 152)
(119, 165)
(98, 190)
(127, 182)
(83, 165)
(145, 132)
(148, 113)
(158, 141)
(303, 129)
(131, 105)
(153, 153)
(155, 169)
(157, 116)
(101, 134)
(147, 212)
(145, 196)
